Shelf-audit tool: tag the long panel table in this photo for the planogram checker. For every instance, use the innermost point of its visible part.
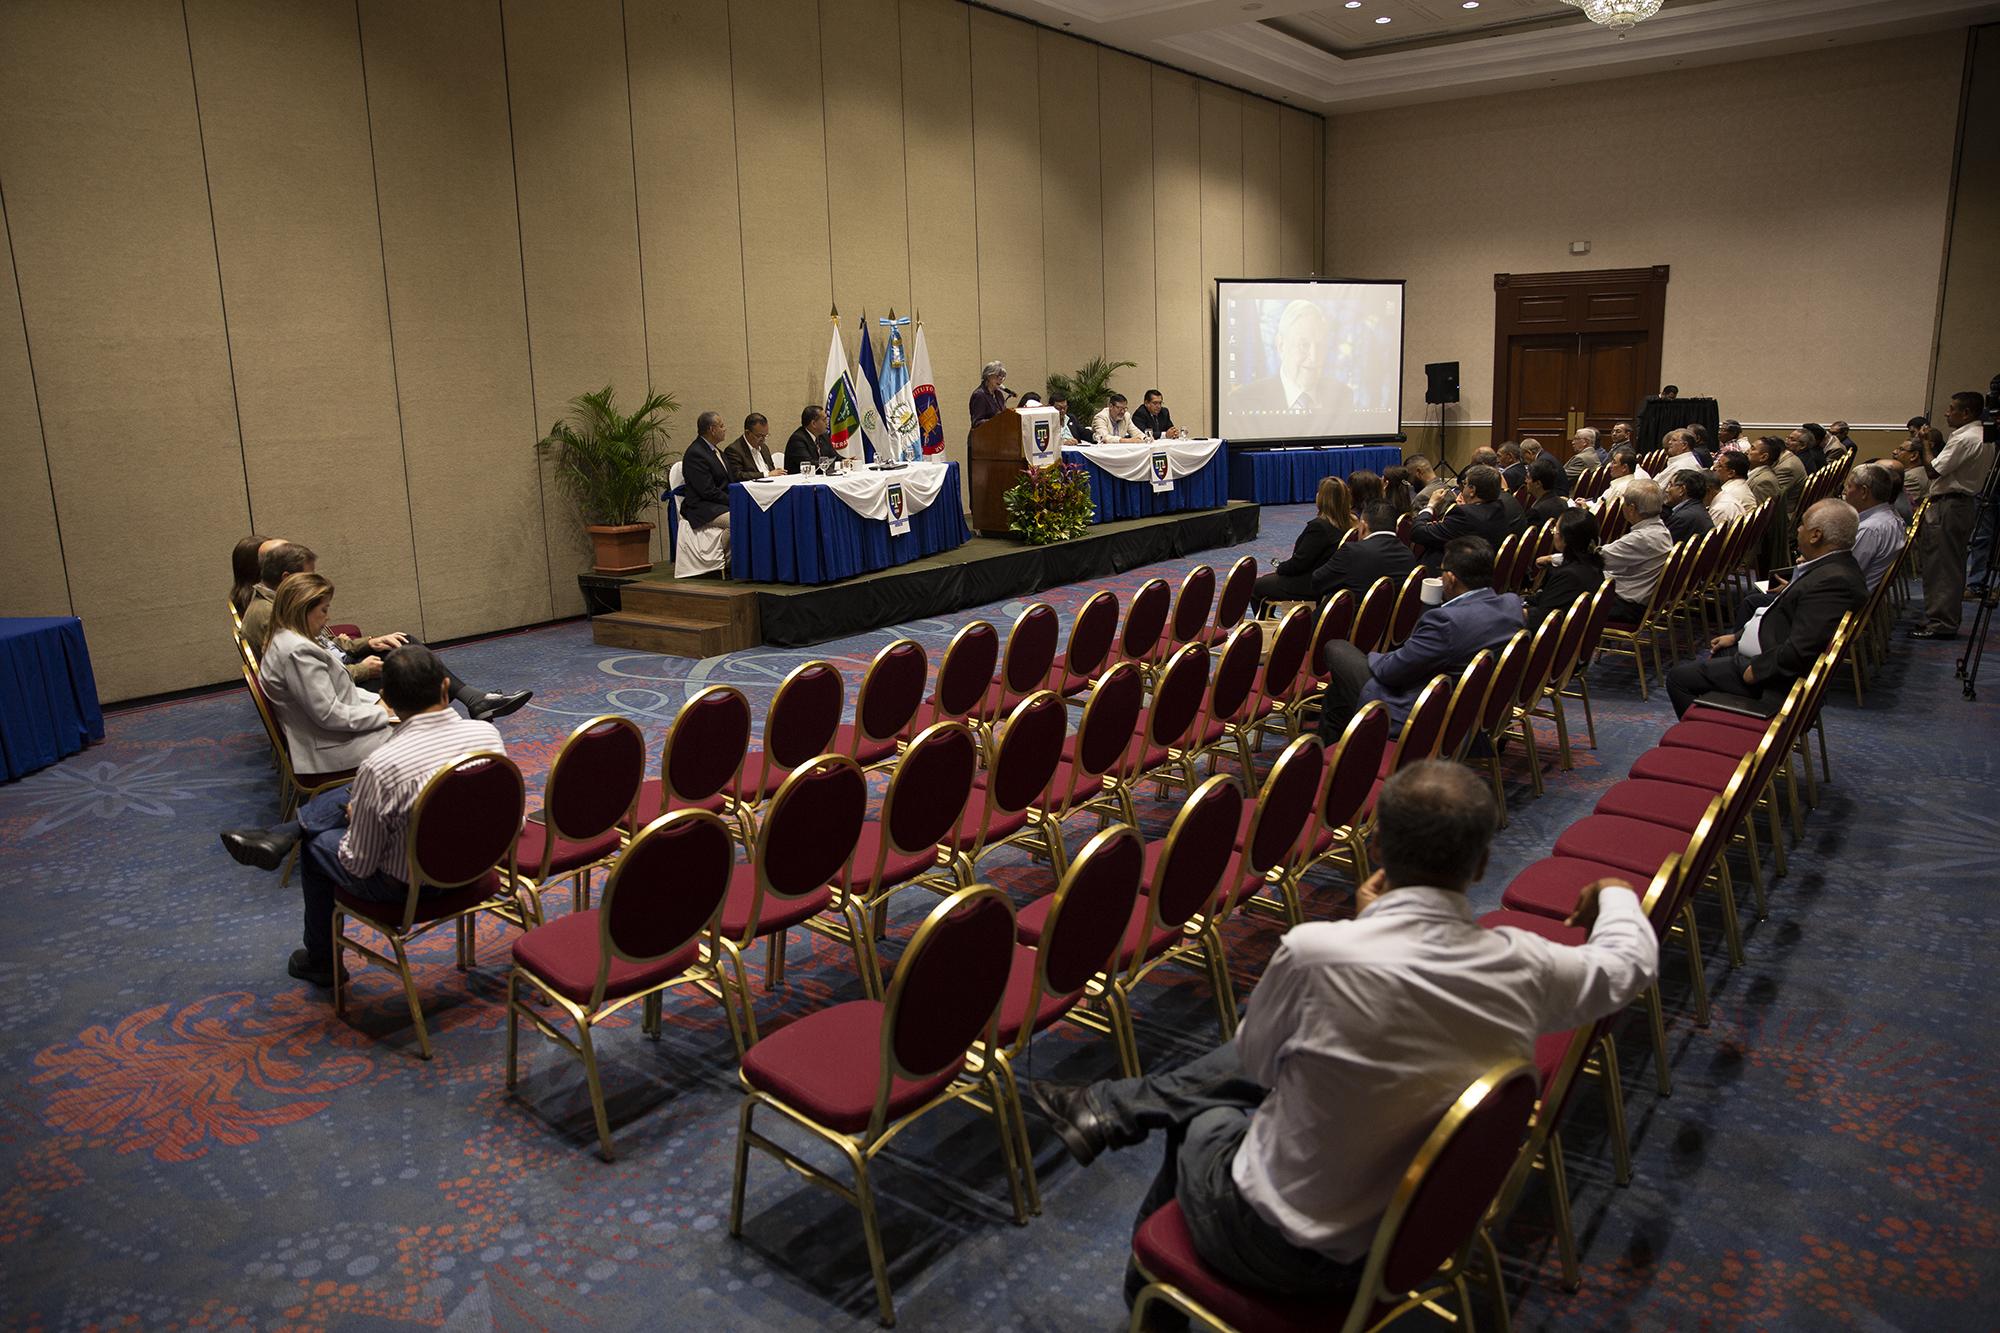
(1199, 469)
(48, 694)
(811, 533)
(1292, 476)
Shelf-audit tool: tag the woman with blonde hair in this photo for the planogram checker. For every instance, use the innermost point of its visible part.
(1292, 579)
(330, 724)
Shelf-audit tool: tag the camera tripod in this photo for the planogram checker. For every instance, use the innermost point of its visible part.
(1982, 616)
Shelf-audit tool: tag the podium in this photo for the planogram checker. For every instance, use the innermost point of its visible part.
(995, 450)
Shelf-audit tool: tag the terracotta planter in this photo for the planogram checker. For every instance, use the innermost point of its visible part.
(623, 548)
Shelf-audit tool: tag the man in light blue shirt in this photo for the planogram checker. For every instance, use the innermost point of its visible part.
(1872, 490)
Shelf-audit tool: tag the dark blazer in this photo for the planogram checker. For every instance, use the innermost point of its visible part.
(1156, 426)
(1565, 583)
(1813, 457)
(1486, 519)
(745, 462)
(1445, 639)
(705, 479)
(1357, 565)
(1316, 542)
(1687, 519)
(984, 406)
(802, 448)
(1511, 514)
(1514, 476)
(1800, 621)
(1546, 508)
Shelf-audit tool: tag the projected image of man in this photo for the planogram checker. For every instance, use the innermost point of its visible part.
(1303, 386)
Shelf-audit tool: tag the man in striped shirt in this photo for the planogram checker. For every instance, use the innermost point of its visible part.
(351, 839)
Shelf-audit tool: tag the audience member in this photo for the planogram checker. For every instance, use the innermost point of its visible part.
(1154, 419)
(705, 478)
(1364, 488)
(1733, 498)
(1687, 508)
(1584, 454)
(1285, 1145)
(1545, 490)
(1625, 470)
(1478, 513)
(1531, 449)
(351, 839)
(1698, 443)
(1872, 490)
(330, 724)
(1730, 439)
(1779, 640)
(1838, 442)
(1679, 445)
(749, 456)
(1425, 484)
(1955, 474)
(1803, 444)
(1513, 518)
(1513, 472)
(1373, 553)
(1471, 618)
(1621, 437)
(1292, 580)
(811, 445)
(1916, 485)
(1578, 574)
(1791, 468)
(244, 571)
(1399, 489)
(1635, 561)
(1114, 423)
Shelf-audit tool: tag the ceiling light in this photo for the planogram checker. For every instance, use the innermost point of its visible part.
(1617, 15)
(1383, 19)
(1470, 4)
(1353, 4)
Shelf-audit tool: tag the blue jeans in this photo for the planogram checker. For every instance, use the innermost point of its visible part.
(322, 823)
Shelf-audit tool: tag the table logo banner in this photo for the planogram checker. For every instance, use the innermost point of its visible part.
(1161, 482)
(899, 522)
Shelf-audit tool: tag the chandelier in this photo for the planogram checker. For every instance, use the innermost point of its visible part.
(1617, 15)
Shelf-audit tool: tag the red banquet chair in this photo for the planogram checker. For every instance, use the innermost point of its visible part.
(964, 676)
(1024, 668)
(1337, 838)
(1190, 620)
(1468, 704)
(891, 693)
(1336, 621)
(1271, 837)
(1091, 636)
(660, 900)
(1422, 1247)
(1233, 601)
(704, 752)
(459, 862)
(804, 716)
(1143, 640)
(1409, 608)
(1160, 751)
(586, 797)
(1371, 621)
(1090, 773)
(1016, 780)
(1226, 721)
(1498, 713)
(1278, 690)
(855, 1075)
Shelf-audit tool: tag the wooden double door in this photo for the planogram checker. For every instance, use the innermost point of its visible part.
(1574, 350)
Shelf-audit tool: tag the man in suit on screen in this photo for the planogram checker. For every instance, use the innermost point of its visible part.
(1303, 398)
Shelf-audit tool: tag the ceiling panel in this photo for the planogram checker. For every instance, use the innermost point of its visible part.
(1339, 28)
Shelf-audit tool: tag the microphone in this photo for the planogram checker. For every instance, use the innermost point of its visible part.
(1008, 392)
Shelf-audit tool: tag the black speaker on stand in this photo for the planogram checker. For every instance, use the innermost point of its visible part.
(1442, 390)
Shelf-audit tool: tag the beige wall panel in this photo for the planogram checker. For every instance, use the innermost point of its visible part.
(579, 232)
(943, 228)
(116, 268)
(1221, 206)
(1072, 205)
(286, 126)
(452, 246)
(870, 218)
(1263, 189)
(683, 127)
(781, 151)
(1299, 163)
(1125, 113)
(1180, 299)
(1006, 144)
(1811, 302)
(1968, 354)
(30, 545)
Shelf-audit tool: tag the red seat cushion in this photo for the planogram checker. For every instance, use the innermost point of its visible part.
(1550, 887)
(777, 913)
(431, 906)
(1551, 1049)
(1014, 1004)
(896, 867)
(1165, 1249)
(1002, 826)
(1534, 923)
(564, 953)
(1722, 717)
(1691, 768)
(829, 1065)
(748, 787)
(1633, 845)
(568, 855)
(649, 803)
(844, 740)
(1674, 805)
(1073, 684)
(1707, 736)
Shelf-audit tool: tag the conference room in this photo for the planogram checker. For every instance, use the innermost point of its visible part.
(1077, 665)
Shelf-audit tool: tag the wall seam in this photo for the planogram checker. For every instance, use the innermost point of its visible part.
(742, 248)
(825, 148)
(972, 143)
(527, 324)
(35, 388)
(1968, 68)
(638, 227)
(221, 296)
(903, 137)
(389, 322)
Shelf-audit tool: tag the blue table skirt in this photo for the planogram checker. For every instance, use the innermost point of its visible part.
(811, 536)
(48, 696)
(1115, 498)
(1292, 476)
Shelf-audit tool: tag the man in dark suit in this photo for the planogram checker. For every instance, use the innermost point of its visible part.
(1447, 637)
(812, 442)
(1513, 471)
(1755, 666)
(1687, 503)
(1478, 513)
(748, 455)
(1545, 491)
(1372, 553)
(1153, 417)
(705, 477)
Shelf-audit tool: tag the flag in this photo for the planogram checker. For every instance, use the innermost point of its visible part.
(843, 416)
(879, 443)
(923, 389)
(899, 406)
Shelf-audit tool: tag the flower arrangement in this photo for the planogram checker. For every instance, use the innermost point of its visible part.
(1050, 504)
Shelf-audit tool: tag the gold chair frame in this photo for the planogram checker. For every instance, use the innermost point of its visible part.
(530, 886)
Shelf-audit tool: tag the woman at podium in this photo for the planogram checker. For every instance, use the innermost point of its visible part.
(989, 400)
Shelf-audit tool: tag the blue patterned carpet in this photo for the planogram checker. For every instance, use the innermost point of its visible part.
(190, 1140)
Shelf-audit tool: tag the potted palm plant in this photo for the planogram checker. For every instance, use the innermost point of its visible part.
(1089, 389)
(614, 467)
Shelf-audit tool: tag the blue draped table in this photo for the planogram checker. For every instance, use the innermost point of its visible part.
(1292, 476)
(48, 696)
(1114, 497)
(809, 535)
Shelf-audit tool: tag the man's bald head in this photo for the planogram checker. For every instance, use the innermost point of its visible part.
(1828, 526)
(1434, 824)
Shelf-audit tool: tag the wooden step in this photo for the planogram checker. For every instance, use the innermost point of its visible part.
(686, 618)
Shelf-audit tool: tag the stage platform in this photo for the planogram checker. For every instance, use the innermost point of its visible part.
(703, 617)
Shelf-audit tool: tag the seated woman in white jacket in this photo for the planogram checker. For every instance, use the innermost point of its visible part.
(330, 723)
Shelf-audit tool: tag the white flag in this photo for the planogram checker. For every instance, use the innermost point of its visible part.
(843, 416)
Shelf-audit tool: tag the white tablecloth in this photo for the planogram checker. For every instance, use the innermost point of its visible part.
(865, 492)
(1132, 460)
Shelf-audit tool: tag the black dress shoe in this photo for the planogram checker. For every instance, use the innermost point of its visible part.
(302, 966)
(1066, 1106)
(1927, 632)
(258, 847)
(491, 706)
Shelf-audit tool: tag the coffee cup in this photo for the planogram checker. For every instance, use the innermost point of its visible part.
(1433, 592)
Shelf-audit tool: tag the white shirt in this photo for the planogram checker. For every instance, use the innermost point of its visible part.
(1108, 430)
(1962, 463)
(1733, 499)
(391, 779)
(1635, 561)
(1618, 484)
(1366, 1031)
(1680, 463)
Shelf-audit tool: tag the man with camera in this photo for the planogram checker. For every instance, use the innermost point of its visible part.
(1956, 474)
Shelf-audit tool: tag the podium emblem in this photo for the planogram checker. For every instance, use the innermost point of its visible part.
(895, 500)
(1042, 436)
(1159, 465)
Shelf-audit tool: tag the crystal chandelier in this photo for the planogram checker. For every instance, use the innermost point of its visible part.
(1617, 15)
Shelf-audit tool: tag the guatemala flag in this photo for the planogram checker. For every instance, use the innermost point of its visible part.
(880, 443)
(924, 390)
(843, 416)
(899, 404)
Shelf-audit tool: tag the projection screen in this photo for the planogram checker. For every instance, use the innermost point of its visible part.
(1308, 361)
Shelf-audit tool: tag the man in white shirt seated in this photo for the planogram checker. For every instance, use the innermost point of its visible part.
(1285, 1145)
(1625, 470)
(1114, 423)
(1680, 454)
(1635, 561)
(1879, 537)
(1733, 498)
(354, 836)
